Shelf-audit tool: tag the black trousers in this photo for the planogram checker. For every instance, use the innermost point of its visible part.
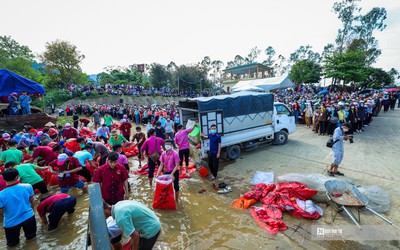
(12, 233)
(152, 166)
(41, 186)
(184, 153)
(61, 207)
(147, 244)
(322, 127)
(176, 180)
(213, 163)
(85, 173)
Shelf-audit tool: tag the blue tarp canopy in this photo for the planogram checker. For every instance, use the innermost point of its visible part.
(236, 104)
(12, 82)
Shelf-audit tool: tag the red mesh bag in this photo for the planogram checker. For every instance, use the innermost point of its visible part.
(164, 195)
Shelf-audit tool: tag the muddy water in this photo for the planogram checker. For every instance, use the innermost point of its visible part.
(202, 221)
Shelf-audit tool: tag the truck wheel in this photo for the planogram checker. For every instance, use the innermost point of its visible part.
(233, 152)
(280, 138)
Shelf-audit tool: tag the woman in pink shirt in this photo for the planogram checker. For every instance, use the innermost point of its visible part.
(170, 163)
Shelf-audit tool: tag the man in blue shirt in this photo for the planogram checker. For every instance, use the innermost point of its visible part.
(103, 133)
(82, 156)
(16, 203)
(25, 101)
(215, 151)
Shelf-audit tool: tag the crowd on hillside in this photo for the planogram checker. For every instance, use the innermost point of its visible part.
(130, 90)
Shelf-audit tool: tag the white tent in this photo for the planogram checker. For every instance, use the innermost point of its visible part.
(264, 84)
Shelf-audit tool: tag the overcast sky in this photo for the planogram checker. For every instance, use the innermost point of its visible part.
(124, 32)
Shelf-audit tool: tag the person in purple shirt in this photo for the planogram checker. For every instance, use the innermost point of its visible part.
(215, 151)
(122, 159)
(150, 146)
(182, 140)
(170, 164)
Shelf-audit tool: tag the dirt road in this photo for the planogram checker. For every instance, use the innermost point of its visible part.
(372, 160)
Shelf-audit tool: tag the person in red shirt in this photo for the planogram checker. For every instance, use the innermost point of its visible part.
(69, 132)
(56, 205)
(113, 179)
(66, 167)
(84, 122)
(5, 138)
(125, 129)
(44, 152)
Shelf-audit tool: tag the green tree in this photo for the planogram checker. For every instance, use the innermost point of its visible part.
(375, 78)
(348, 67)
(394, 74)
(270, 61)
(253, 55)
(305, 71)
(191, 78)
(159, 75)
(62, 60)
(347, 11)
(11, 49)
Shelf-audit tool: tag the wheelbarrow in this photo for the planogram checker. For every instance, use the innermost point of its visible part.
(345, 196)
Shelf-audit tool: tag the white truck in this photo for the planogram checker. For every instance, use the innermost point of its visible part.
(245, 120)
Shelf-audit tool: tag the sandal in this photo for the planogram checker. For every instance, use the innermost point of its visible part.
(331, 173)
(202, 191)
(212, 178)
(339, 173)
(215, 186)
(225, 190)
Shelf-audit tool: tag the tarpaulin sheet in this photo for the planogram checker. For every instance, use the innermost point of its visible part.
(237, 104)
(12, 82)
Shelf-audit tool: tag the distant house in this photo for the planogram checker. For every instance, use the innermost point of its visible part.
(249, 71)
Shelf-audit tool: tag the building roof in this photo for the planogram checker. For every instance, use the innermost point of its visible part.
(246, 68)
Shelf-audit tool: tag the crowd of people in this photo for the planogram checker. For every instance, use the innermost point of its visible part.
(77, 155)
(337, 114)
(329, 110)
(91, 150)
(130, 90)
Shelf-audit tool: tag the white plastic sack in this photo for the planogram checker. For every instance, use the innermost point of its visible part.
(378, 198)
(190, 123)
(262, 177)
(309, 206)
(164, 179)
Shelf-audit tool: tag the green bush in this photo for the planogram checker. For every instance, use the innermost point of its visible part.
(58, 96)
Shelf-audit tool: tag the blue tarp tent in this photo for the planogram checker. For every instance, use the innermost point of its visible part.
(12, 82)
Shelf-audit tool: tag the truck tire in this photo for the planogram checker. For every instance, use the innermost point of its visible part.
(233, 152)
(280, 138)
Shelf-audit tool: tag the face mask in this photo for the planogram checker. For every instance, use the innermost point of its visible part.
(213, 131)
(352, 107)
(138, 132)
(347, 109)
(82, 146)
(168, 147)
(345, 130)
